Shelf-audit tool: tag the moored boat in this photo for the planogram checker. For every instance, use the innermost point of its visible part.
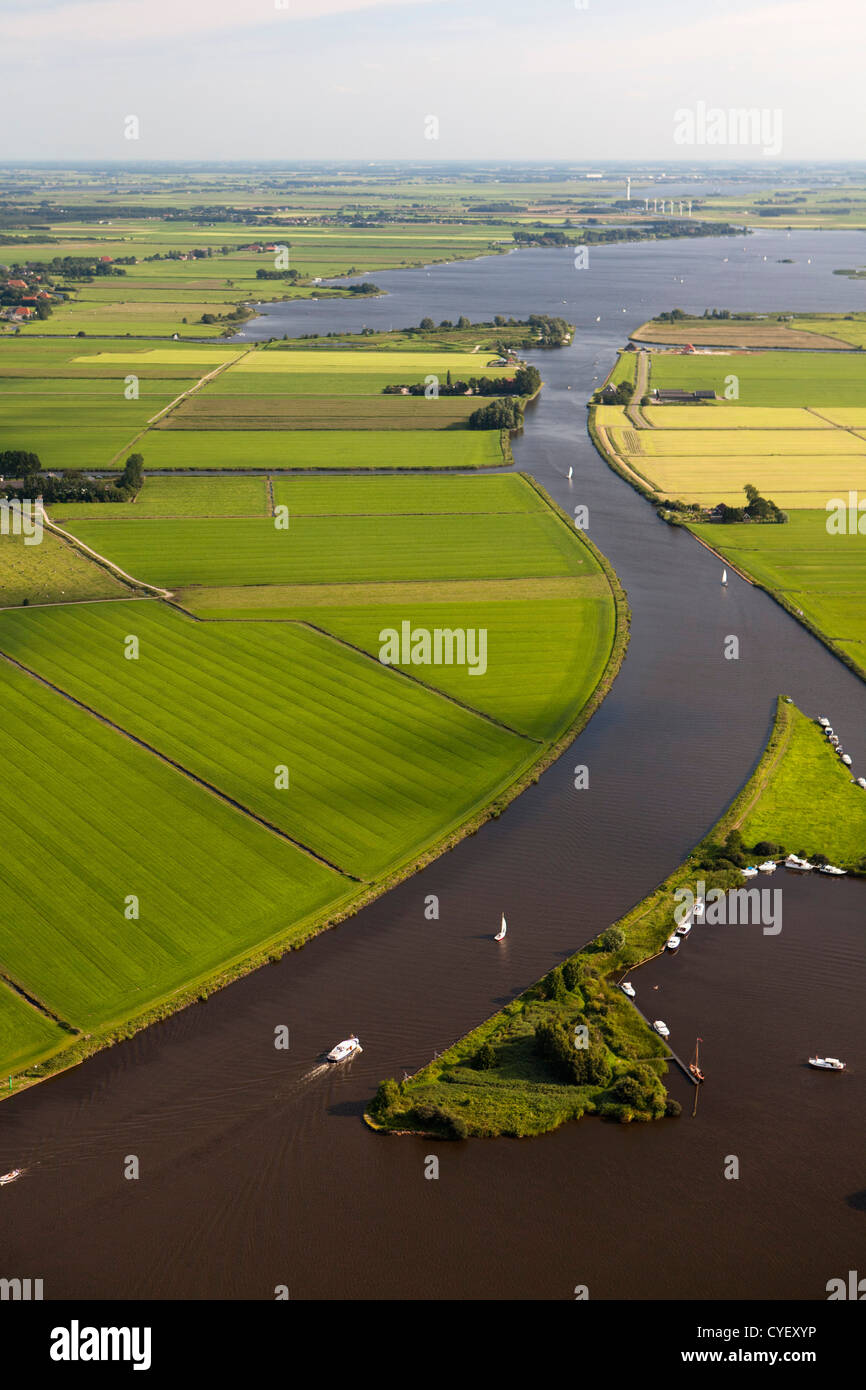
(662, 1028)
(673, 942)
(769, 866)
(695, 1065)
(628, 989)
(832, 870)
(347, 1048)
(824, 722)
(684, 928)
(749, 872)
(797, 865)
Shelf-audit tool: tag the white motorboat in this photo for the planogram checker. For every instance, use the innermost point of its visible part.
(662, 1028)
(769, 866)
(684, 928)
(749, 872)
(861, 781)
(502, 930)
(673, 942)
(832, 870)
(827, 1063)
(846, 758)
(698, 909)
(824, 722)
(11, 1176)
(628, 989)
(798, 866)
(347, 1048)
(834, 739)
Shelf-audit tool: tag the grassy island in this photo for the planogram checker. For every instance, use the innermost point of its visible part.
(572, 1044)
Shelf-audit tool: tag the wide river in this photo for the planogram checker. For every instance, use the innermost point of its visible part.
(256, 1169)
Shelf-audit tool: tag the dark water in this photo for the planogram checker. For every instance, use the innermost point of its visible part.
(255, 1167)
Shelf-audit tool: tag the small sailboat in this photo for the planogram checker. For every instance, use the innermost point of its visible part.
(501, 933)
(694, 1067)
(724, 576)
(570, 474)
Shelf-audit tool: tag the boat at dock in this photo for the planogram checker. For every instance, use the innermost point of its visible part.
(695, 1065)
(662, 1028)
(684, 928)
(347, 1048)
(769, 866)
(797, 865)
(832, 870)
(826, 1063)
(628, 989)
(824, 722)
(673, 942)
(749, 872)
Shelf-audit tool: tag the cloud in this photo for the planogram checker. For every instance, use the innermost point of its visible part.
(110, 22)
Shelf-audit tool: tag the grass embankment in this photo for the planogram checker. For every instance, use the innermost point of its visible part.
(521, 1072)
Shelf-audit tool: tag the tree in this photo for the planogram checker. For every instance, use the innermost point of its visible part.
(612, 940)
(485, 1058)
(427, 323)
(386, 1096)
(132, 477)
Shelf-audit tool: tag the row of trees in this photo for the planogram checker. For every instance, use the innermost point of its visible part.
(525, 382)
(70, 486)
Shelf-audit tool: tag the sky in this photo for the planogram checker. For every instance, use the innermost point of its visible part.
(288, 80)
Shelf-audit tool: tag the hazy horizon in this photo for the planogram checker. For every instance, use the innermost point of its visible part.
(372, 80)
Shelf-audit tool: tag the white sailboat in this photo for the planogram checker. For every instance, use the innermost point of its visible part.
(724, 576)
(570, 474)
(501, 933)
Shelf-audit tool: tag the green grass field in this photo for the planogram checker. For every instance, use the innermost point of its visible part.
(776, 379)
(175, 497)
(51, 572)
(544, 654)
(808, 802)
(88, 819)
(319, 550)
(413, 494)
(321, 449)
(378, 766)
(26, 1034)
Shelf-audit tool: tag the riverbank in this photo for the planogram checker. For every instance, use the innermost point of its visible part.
(509, 1077)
